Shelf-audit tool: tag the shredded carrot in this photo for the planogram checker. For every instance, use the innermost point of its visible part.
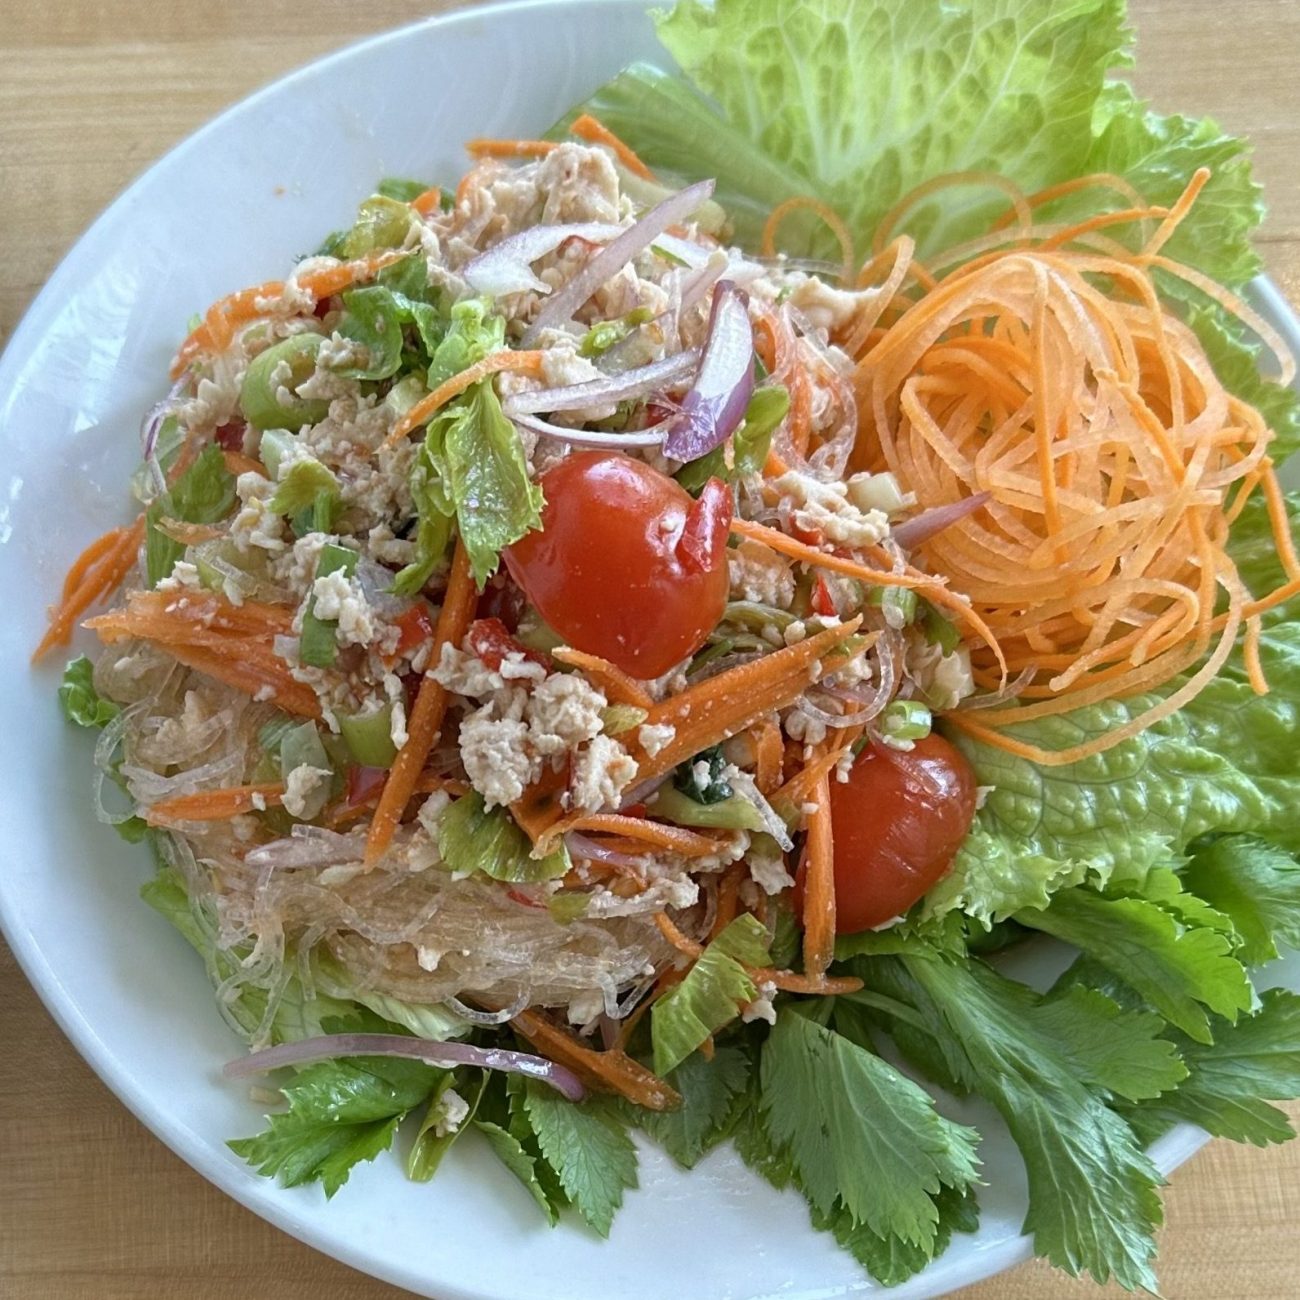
(1046, 373)
(819, 985)
(636, 831)
(234, 644)
(769, 751)
(819, 886)
(1250, 655)
(344, 813)
(237, 463)
(594, 131)
(728, 897)
(951, 180)
(483, 147)
(715, 709)
(932, 588)
(529, 362)
(802, 786)
(425, 723)
(217, 328)
(619, 688)
(674, 936)
(216, 805)
(542, 804)
(429, 201)
(613, 1070)
(833, 220)
(96, 573)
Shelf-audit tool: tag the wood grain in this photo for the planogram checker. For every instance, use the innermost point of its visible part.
(92, 1207)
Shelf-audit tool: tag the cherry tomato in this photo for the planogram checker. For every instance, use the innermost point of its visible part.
(414, 627)
(626, 565)
(897, 824)
(489, 640)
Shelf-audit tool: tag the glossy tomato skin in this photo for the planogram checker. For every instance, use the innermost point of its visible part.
(626, 565)
(897, 824)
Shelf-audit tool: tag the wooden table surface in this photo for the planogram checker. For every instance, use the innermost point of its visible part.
(92, 1206)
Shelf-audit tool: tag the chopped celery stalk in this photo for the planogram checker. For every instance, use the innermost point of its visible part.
(905, 720)
(898, 604)
(735, 813)
(382, 222)
(301, 746)
(568, 905)
(270, 734)
(318, 645)
(257, 398)
(369, 736)
(275, 444)
(617, 718)
(536, 635)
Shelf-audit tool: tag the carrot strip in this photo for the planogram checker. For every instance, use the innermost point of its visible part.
(237, 463)
(529, 362)
(821, 985)
(802, 786)
(96, 573)
(661, 835)
(613, 1070)
(216, 330)
(715, 709)
(728, 898)
(216, 805)
(425, 723)
(819, 887)
(594, 131)
(769, 751)
(687, 947)
(429, 201)
(619, 688)
(827, 213)
(483, 147)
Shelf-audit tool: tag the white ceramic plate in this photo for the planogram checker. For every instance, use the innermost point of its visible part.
(236, 204)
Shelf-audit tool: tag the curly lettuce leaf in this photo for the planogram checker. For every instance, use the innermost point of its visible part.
(80, 701)
(1225, 762)
(864, 102)
(711, 996)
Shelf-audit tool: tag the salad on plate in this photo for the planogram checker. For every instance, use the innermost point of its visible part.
(632, 638)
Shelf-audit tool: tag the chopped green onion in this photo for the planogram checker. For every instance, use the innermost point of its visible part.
(257, 397)
(905, 720)
(318, 645)
(369, 736)
(898, 604)
(603, 335)
(755, 616)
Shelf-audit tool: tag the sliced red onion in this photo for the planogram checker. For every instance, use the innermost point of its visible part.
(561, 305)
(640, 792)
(650, 437)
(716, 403)
(580, 846)
(506, 267)
(603, 392)
(920, 528)
(443, 1055)
(152, 425)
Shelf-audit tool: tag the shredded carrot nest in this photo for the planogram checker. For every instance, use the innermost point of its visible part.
(1047, 374)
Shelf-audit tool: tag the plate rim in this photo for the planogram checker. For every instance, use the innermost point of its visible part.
(263, 1197)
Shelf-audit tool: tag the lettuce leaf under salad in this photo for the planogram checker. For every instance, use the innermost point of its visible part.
(1169, 863)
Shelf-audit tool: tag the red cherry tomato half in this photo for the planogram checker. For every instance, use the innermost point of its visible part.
(897, 824)
(626, 565)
